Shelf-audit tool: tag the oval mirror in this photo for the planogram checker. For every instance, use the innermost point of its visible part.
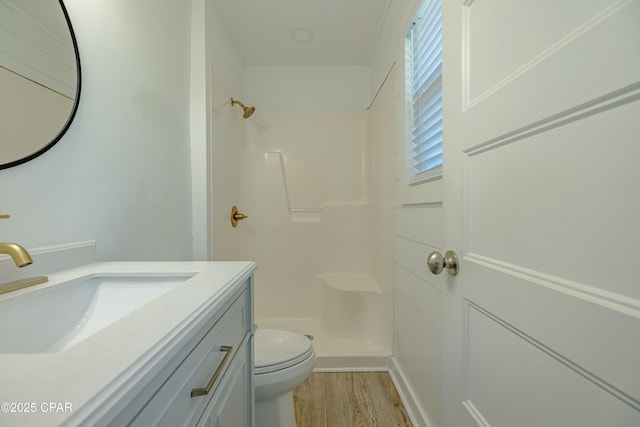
(39, 78)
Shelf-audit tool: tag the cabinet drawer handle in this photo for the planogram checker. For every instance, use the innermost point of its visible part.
(203, 391)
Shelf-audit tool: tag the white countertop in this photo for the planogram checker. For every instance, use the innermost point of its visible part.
(97, 376)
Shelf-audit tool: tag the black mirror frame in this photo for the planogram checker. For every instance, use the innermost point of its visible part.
(74, 109)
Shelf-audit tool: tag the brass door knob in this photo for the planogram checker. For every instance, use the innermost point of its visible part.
(236, 216)
(437, 262)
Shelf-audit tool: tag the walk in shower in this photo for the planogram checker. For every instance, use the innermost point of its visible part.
(317, 184)
(320, 228)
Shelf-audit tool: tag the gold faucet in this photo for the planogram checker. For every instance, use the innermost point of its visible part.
(19, 254)
(22, 258)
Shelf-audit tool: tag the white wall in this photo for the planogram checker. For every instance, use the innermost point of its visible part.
(308, 88)
(381, 187)
(121, 174)
(394, 27)
(417, 326)
(216, 132)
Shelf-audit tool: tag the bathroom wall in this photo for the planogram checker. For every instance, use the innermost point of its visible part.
(308, 88)
(416, 365)
(216, 133)
(121, 175)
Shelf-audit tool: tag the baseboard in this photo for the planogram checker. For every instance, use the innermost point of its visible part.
(413, 408)
(351, 364)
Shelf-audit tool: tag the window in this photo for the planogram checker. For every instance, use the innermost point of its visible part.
(424, 93)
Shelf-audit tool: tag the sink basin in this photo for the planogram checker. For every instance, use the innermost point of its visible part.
(53, 318)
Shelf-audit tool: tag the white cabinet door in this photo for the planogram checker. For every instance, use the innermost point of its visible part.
(541, 203)
(232, 405)
(233, 412)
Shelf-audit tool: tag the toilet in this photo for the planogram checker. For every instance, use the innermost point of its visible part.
(283, 360)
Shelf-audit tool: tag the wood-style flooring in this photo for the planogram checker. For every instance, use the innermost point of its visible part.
(349, 399)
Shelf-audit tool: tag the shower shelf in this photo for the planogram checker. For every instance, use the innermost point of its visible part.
(305, 214)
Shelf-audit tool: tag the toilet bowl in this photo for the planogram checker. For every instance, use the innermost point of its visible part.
(283, 360)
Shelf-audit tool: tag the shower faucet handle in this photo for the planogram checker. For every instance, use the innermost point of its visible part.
(236, 216)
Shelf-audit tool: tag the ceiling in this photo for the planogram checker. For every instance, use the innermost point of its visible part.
(304, 32)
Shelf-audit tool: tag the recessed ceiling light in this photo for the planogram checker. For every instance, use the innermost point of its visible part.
(302, 35)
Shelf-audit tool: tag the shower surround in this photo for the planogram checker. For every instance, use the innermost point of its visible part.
(318, 189)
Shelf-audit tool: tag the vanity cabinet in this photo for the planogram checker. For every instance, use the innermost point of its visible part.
(145, 344)
(211, 383)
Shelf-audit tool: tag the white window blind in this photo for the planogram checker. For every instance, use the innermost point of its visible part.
(424, 92)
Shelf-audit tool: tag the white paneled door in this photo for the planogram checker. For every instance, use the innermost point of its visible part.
(542, 205)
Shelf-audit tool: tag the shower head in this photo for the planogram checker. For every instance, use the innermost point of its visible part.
(248, 111)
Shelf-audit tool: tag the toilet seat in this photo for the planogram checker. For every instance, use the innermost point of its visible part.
(276, 350)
